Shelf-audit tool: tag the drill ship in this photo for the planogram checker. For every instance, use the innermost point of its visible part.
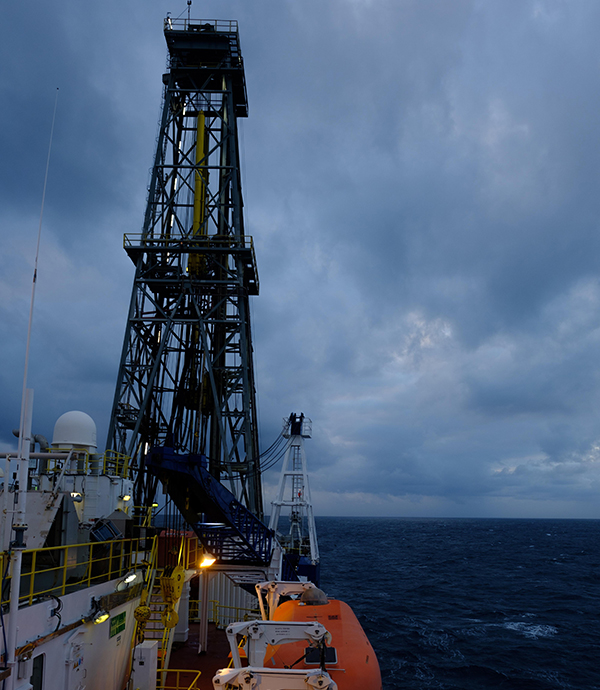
(109, 559)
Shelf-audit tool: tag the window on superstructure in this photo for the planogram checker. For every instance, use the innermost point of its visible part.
(37, 673)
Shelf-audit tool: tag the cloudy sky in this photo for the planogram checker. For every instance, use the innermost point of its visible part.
(421, 179)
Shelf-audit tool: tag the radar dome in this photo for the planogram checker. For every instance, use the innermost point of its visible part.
(75, 430)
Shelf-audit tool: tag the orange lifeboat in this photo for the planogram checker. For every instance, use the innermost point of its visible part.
(349, 657)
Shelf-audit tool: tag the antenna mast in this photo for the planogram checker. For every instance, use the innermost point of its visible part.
(22, 439)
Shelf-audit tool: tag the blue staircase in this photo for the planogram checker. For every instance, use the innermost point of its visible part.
(226, 528)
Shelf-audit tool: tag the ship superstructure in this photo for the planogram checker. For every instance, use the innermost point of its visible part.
(72, 569)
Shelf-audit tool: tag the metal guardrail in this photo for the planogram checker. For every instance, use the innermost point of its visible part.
(111, 463)
(179, 679)
(135, 240)
(59, 570)
(167, 637)
(184, 24)
(148, 585)
(197, 246)
(115, 462)
(217, 613)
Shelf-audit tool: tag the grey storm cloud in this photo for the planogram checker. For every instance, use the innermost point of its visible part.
(420, 180)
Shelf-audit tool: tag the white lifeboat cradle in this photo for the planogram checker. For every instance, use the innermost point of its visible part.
(260, 635)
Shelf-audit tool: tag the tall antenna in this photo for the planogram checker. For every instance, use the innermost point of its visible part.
(33, 285)
(189, 5)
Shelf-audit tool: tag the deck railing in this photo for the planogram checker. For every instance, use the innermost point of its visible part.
(179, 679)
(59, 570)
(83, 462)
(222, 614)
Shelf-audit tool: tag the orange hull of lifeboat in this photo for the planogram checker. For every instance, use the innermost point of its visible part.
(355, 666)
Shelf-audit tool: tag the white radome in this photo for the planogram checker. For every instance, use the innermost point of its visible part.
(75, 430)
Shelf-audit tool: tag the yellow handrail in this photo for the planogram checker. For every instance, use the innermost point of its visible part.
(146, 511)
(148, 580)
(112, 463)
(178, 672)
(168, 631)
(57, 570)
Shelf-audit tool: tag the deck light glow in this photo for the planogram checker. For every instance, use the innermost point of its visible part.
(100, 617)
(207, 561)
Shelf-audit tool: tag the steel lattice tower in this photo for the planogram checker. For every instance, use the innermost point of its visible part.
(186, 376)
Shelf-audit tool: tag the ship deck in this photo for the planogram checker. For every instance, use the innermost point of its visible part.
(185, 654)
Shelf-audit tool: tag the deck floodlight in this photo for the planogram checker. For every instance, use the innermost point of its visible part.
(131, 579)
(126, 497)
(207, 560)
(100, 617)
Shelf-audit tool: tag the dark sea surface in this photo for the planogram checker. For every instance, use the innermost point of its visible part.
(471, 603)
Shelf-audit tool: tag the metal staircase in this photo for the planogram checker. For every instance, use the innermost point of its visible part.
(227, 529)
(155, 629)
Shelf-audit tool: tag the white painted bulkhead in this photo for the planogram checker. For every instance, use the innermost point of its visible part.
(233, 601)
(88, 657)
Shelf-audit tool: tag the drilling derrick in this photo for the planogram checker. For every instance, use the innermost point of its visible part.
(186, 378)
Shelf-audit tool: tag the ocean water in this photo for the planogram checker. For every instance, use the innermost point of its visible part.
(471, 604)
